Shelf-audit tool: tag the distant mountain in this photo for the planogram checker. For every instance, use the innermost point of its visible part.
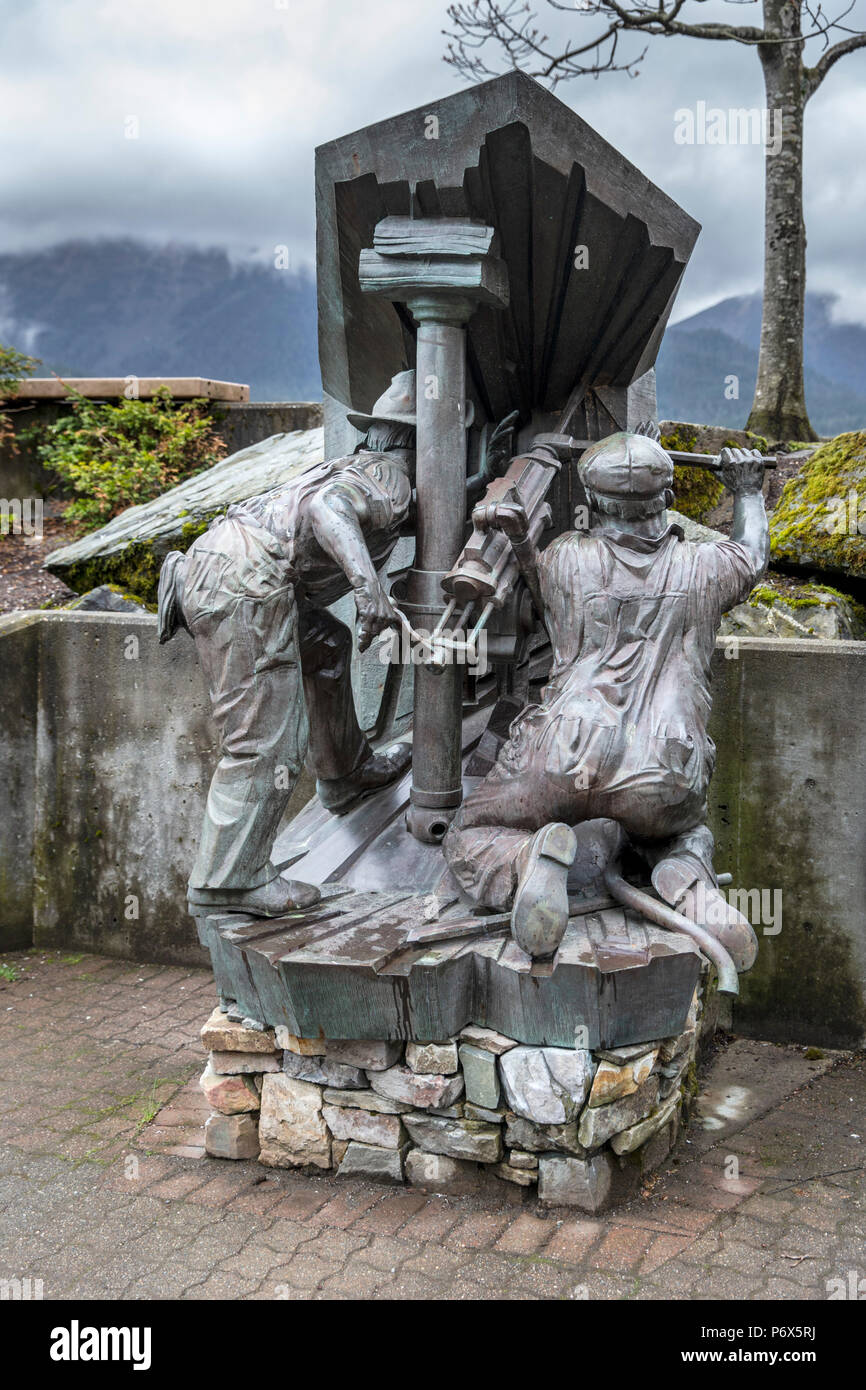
(117, 307)
(698, 354)
(121, 307)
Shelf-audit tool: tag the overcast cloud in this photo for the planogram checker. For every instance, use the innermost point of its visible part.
(232, 96)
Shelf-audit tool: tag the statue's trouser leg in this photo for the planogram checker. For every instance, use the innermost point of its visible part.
(248, 647)
(487, 840)
(337, 746)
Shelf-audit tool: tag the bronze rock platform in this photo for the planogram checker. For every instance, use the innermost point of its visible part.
(346, 969)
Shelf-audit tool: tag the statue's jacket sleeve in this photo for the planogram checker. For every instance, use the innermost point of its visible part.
(386, 493)
(632, 623)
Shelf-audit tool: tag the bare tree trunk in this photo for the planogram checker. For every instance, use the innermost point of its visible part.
(779, 408)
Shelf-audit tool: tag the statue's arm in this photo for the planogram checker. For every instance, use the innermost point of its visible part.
(337, 515)
(511, 519)
(742, 472)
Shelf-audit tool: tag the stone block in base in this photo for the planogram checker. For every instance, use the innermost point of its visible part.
(232, 1136)
(456, 1138)
(425, 1091)
(222, 1034)
(521, 1177)
(602, 1122)
(592, 1184)
(523, 1134)
(230, 1095)
(385, 1131)
(432, 1059)
(369, 1161)
(547, 1085)
(369, 1056)
(243, 1063)
(438, 1173)
(480, 1076)
(321, 1071)
(304, 1047)
(292, 1130)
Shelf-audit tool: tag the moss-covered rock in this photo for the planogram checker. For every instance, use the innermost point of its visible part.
(819, 522)
(782, 607)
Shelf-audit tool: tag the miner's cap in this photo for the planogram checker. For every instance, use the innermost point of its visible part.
(626, 465)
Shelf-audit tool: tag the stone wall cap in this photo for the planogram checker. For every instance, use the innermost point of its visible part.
(52, 388)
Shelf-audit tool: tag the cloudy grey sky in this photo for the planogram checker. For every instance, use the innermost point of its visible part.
(231, 97)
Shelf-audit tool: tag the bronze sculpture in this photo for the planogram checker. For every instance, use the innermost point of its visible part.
(620, 732)
(253, 592)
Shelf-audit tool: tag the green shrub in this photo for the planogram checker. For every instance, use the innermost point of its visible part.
(117, 455)
(13, 366)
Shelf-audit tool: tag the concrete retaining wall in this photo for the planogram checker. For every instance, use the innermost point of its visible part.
(788, 808)
(106, 746)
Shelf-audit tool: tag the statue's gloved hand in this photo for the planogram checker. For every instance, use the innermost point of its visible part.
(375, 613)
(511, 519)
(741, 470)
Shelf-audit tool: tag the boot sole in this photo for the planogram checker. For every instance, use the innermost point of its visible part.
(539, 915)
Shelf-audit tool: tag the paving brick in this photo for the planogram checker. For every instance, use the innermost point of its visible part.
(622, 1248)
(525, 1235)
(477, 1231)
(572, 1239)
(390, 1214)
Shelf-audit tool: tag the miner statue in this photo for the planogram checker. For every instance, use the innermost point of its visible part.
(254, 593)
(620, 732)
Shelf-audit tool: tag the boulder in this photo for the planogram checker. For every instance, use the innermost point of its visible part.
(105, 598)
(781, 608)
(819, 522)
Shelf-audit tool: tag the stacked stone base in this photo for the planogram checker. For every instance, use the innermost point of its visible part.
(579, 1128)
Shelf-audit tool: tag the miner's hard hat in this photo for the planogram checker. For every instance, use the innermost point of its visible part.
(626, 465)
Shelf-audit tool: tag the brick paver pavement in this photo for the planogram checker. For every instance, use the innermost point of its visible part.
(105, 1192)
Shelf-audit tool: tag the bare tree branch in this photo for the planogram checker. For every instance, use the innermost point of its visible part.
(813, 77)
(511, 25)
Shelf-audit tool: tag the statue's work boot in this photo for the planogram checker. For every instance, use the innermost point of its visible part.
(339, 794)
(707, 907)
(539, 915)
(274, 899)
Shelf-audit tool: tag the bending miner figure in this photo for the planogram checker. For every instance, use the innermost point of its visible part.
(253, 592)
(620, 733)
